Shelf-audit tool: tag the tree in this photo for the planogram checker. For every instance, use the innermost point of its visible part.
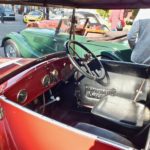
(135, 12)
(104, 13)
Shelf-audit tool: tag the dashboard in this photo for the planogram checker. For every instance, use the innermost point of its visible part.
(31, 83)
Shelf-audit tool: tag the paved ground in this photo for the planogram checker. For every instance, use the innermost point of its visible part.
(10, 26)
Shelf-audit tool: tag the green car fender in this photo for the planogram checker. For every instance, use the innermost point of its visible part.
(24, 48)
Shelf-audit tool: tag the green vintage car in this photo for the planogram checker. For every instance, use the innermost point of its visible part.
(35, 42)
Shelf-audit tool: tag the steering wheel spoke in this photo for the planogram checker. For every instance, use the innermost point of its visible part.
(87, 68)
(74, 52)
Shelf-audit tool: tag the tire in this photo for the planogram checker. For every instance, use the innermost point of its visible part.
(11, 49)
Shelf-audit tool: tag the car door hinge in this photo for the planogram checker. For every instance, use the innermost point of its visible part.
(1, 113)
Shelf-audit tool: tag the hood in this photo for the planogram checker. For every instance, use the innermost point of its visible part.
(110, 4)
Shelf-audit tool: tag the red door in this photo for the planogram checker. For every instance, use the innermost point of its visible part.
(27, 130)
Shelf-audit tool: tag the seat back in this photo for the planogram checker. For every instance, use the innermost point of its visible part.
(126, 80)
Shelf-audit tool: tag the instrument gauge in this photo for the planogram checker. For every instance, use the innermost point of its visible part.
(54, 76)
(22, 96)
(46, 80)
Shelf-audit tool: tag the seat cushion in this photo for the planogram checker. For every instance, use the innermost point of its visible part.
(103, 133)
(122, 110)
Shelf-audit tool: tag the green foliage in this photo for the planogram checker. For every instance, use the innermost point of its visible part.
(103, 13)
(135, 12)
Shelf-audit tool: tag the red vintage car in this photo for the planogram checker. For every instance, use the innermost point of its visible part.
(50, 24)
(86, 22)
(63, 102)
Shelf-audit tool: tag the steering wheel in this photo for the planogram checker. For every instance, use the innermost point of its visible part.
(88, 65)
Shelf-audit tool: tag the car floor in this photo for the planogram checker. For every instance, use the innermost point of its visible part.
(67, 107)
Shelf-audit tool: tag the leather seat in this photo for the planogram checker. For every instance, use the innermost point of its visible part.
(122, 110)
(103, 133)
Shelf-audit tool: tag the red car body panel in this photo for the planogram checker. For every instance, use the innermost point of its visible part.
(4, 145)
(53, 24)
(8, 65)
(30, 131)
(48, 24)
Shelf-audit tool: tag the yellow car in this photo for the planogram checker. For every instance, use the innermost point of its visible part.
(33, 16)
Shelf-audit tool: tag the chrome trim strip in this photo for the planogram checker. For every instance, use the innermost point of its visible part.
(101, 139)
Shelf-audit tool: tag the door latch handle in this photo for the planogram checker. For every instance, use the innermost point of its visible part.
(1, 113)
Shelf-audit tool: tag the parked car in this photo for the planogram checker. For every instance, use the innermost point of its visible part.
(64, 102)
(84, 19)
(52, 34)
(32, 16)
(35, 42)
(7, 13)
(50, 24)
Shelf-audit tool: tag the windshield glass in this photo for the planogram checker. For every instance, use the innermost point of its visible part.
(8, 10)
(35, 13)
